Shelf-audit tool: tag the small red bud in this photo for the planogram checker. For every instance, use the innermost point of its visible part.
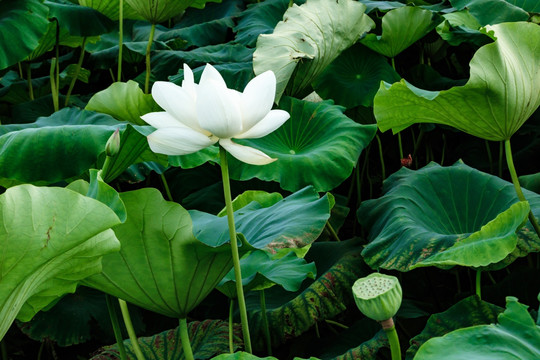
(407, 162)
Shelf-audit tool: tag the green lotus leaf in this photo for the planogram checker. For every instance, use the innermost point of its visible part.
(354, 77)
(531, 182)
(241, 355)
(52, 238)
(501, 94)
(23, 24)
(111, 8)
(339, 264)
(369, 348)
(159, 11)
(124, 102)
(531, 6)
(401, 28)
(168, 62)
(515, 336)
(309, 38)
(294, 222)
(491, 244)
(208, 338)
(42, 151)
(467, 209)
(208, 33)
(381, 5)
(461, 26)
(69, 321)
(261, 197)
(46, 43)
(499, 11)
(259, 18)
(80, 20)
(467, 312)
(161, 267)
(317, 146)
(261, 270)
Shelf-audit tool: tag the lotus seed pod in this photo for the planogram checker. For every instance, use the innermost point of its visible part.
(378, 296)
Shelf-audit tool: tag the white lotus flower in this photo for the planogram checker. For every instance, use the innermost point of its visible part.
(199, 115)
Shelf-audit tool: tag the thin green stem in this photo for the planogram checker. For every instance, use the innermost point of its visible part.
(116, 326)
(443, 149)
(29, 81)
(381, 157)
(77, 71)
(4, 350)
(332, 231)
(501, 151)
(393, 339)
(336, 324)
(120, 38)
(400, 145)
(234, 249)
(490, 158)
(148, 67)
(479, 283)
(166, 186)
(184, 338)
(265, 326)
(515, 181)
(20, 69)
(41, 348)
(130, 330)
(231, 330)
(54, 88)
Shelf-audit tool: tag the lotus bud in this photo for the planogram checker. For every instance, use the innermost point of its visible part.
(378, 296)
(113, 144)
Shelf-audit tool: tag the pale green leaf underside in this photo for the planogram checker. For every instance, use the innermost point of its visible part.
(314, 34)
(161, 267)
(401, 28)
(51, 239)
(501, 94)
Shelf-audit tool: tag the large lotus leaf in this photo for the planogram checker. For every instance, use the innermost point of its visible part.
(532, 6)
(317, 146)
(499, 11)
(69, 321)
(51, 239)
(261, 270)
(111, 8)
(80, 20)
(165, 63)
(461, 26)
(381, 5)
(501, 94)
(468, 312)
(259, 18)
(44, 150)
(424, 213)
(163, 10)
(23, 24)
(208, 338)
(516, 336)
(46, 43)
(325, 298)
(123, 101)
(310, 37)
(161, 267)
(491, 244)
(401, 28)
(295, 221)
(207, 33)
(368, 349)
(354, 77)
(262, 197)
(531, 182)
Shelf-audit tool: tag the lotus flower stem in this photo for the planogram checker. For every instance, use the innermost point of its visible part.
(490, 158)
(390, 330)
(231, 334)
(184, 338)
(501, 151)
(265, 326)
(77, 71)
(54, 89)
(332, 231)
(234, 249)
(513, 175)
(120, 38)
(131, 332)
(116, 327)
(479, 283)
(148, 67)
